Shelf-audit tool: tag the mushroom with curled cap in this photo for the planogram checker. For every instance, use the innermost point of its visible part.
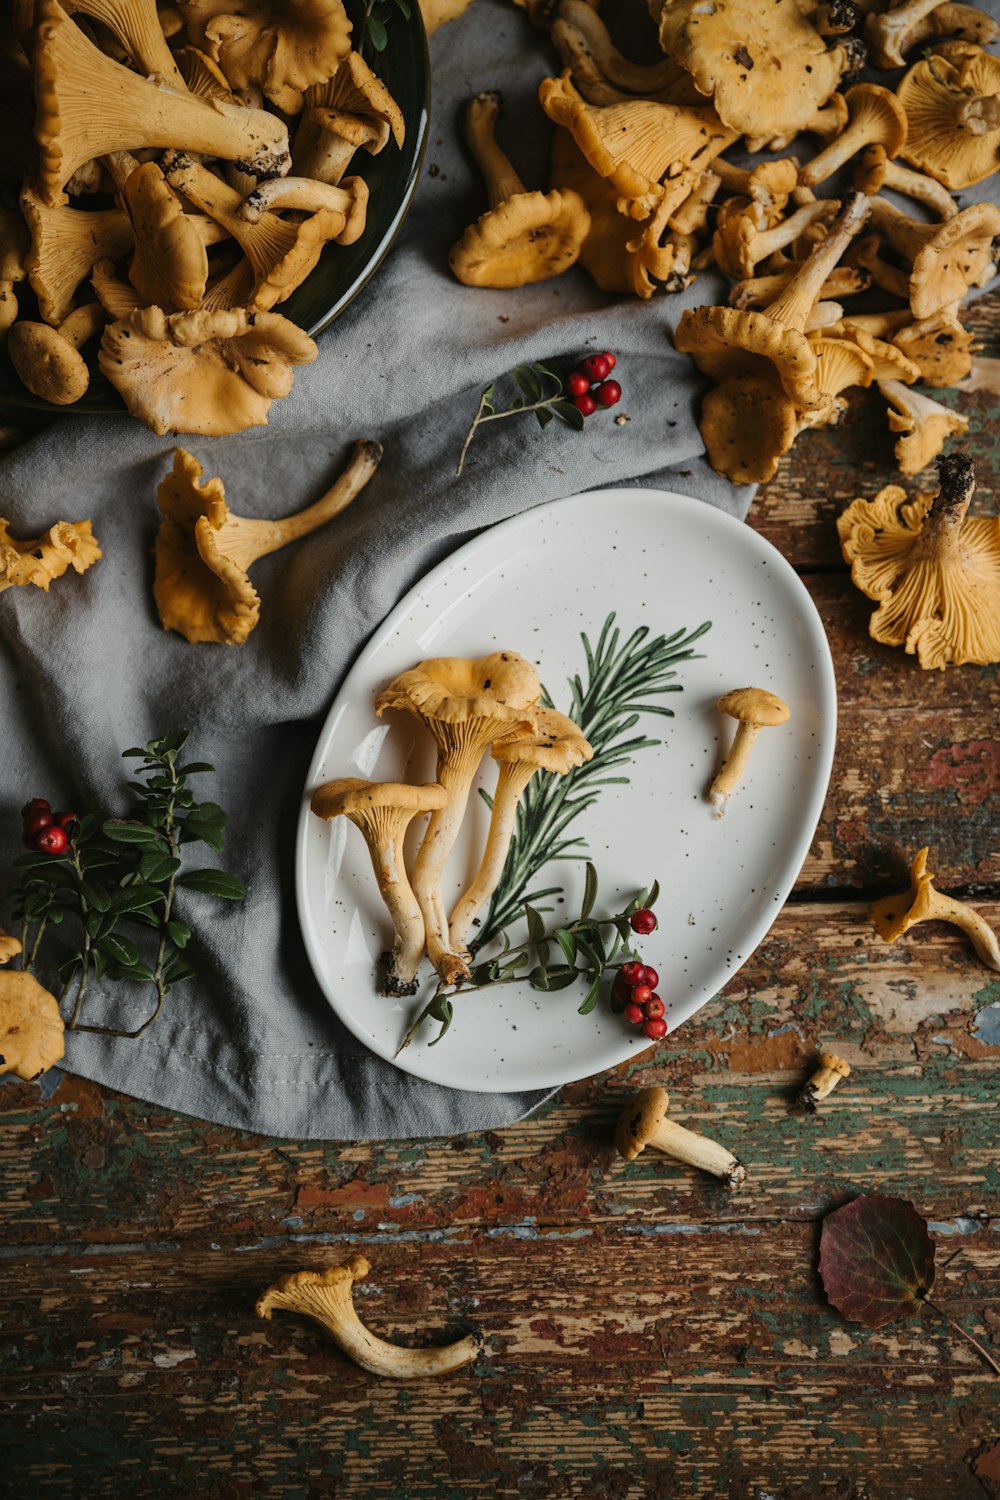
(753, 709)
(169, 269)
(87, 105)
(48, 360)
(945, 259)
(466, 705)
(351, 109)
(953, 115)
(66, 243)
(348, 202)
(725, 341)
(326, 1297)
(204, 552)
(281, 49)
(31, 1028)
(823, 1080)
(891, 916)
(209, 371)
(747, 424)
(925, 425)
(905, 26)
(556, 744)
(643, 1122)
(523, 237)
(876, 117)
(740, 242)
(37, 560)
(934, 571)
(136, 25)
(383, 811)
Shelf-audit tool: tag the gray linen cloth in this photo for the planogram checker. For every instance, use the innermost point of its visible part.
(87, 670)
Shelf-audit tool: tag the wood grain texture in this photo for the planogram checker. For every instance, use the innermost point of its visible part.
(650, 1337)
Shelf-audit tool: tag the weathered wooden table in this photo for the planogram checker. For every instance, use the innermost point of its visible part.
(649, 1336)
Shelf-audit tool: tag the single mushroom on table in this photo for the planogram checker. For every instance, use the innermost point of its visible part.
(643, 1122)
(48, 360)
(934, 570)
(925, 425)
(523, 237)
(466, 705)
(204, 552)
(555, 744)
(824, 1080)
(753, 709)
(891, 916)
(383, 811)
(39, 559)
(326, 1297)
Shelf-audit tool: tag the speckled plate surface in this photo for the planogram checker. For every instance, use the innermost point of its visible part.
(534, 584)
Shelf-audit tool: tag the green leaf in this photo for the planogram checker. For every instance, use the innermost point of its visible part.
(99, 962)
(593, 994)
(179, 972)
(197, 767)
(441, 1009)
(569, 414)
(180, 933)
(130, 833)
(119, 950)
(539, 979)
(562, 981)
(544, 416)
(527, 382)
(379, 38)
(654, 892)
(95, 896)
(136, 753)
(548, 374)
(592, 954)
(213, 883)
(589, 892)
(536, 926)
(157, 867)
(140, 972)
(567, 943)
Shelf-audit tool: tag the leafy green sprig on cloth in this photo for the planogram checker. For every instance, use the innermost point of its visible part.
(543, 392)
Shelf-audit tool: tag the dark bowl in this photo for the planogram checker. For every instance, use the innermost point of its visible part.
(342, 270)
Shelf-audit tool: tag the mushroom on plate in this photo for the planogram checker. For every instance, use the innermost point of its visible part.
(753, 709)
(643, 1122)
(31, 1028)
(66, 243)
(353, 109)
(48, 360)
(169, 269)
(67, 544)
(466, 705)
(925, 425)
(383, 811)
(326, 1297)
(204, 552)
(523, 237)
(891, 916)
(934, 571)
(281, 49)
(136, 25)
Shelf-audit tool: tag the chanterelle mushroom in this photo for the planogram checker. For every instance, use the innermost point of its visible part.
(876, 118)
(523, 237)
(65, 244)
(824, 1080)
(466, 705)
(934, 571)
(946, 259)
(350, 110)
(643, 1122)
(753, 709)
(204, 371)
(136, 25)
(204, 552)
(67, 544)
(891, 916)
(925, 425)
(555, 744)
(48, 360)
(325, 1296)
(383, 811)
(10, 946)
(31, 1028)
(953, 114)
(283, 48)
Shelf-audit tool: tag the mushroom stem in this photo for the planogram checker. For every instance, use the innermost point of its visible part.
(957, 475)
(455, 773)
(825, 1079)
(511, 782)
(326, 1296)
(922, 188)
(904, 234)
(792, 308)
(502, 182)
(874, 113)
(734, 764)
(698, 1151)
(350, 200)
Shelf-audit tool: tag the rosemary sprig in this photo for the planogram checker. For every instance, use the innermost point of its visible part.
(543, 392)
(621, 678)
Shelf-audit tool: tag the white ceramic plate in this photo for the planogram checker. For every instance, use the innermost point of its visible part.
(533, 584)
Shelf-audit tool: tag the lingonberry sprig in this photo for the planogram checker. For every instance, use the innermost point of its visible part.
(545, 393)
(588, 954)
(104, 878)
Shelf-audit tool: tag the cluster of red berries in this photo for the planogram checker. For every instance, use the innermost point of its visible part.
(589, 386)
(634, 992)
(43, 831)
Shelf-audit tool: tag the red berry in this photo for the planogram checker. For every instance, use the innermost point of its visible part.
(634, 1013)
(621, 994)
(66, 818)
(651, 977)
(643, 921)
(654, 1030)
(586, 404)
(36, 821)
(609, 393)
(641, 993)
(577, 384)
(52, 840)
(595, 367)
(609, 359)
(653, 1008)
(632, 973)
(37, 804)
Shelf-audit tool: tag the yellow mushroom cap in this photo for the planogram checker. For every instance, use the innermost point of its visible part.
(170, 266)
(527, 238)
(31, 1028)
(747, 423)
(555, 743)
(355, 798)
(280, 48)
(47, 364)
(639, 1121)
(10, 947)
(932, 93)
(455, 689)
(726, 341)
(754, 706)
(835, 1064)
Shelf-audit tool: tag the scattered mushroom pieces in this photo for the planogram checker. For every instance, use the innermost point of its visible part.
(31, 1028)
(891, 916)
(925, 425)
(48, 360)
(876, 117)
(643, 1122)
(204, 552)
(67, 544)
(466, 705)
(555, 744)
(824, 1080)
(953, 115)
(280, 49)
(383, 811)
(753, 709)
(934, 571)
(326, 1297)
(523, 237)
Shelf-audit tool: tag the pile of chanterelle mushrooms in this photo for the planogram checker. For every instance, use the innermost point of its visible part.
(181, 170)
(644, 196)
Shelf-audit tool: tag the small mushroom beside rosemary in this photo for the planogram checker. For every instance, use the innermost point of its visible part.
(753, 709)
(326, 1297)
(643, 1122)
(824, 1080)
